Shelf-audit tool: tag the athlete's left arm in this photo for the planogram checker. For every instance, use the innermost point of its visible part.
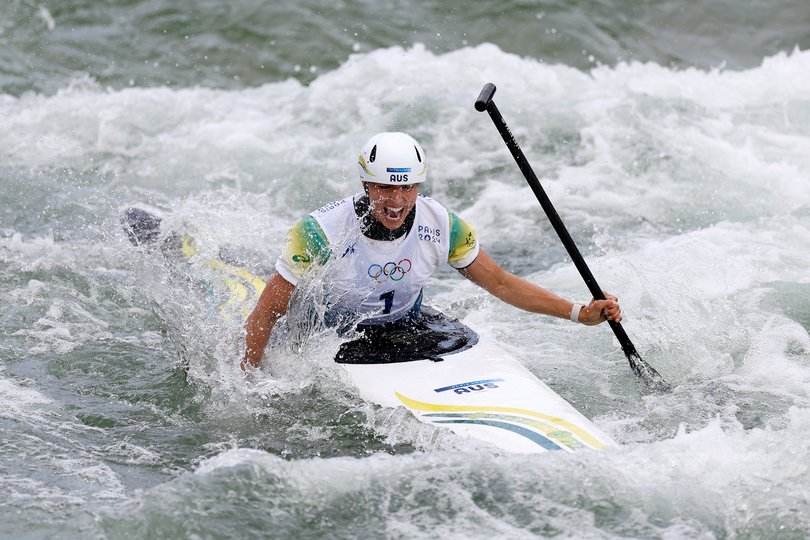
(487, 274)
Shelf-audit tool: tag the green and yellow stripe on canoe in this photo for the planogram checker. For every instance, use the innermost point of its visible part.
(544, 424)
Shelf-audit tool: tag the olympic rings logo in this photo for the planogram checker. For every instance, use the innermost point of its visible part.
(391, 270)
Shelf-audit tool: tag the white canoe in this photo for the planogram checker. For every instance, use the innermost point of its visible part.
(484, 393)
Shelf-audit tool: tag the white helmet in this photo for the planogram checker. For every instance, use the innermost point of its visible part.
(392, 158)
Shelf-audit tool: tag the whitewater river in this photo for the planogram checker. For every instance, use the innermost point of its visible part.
(674, 142)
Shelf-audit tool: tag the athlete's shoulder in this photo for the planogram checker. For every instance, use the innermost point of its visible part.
(332, 207)
(306, 239)
(429, 201)
(427, 205)
(464, 246)
(306, 244)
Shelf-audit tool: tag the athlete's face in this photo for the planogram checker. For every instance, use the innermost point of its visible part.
(390, 205)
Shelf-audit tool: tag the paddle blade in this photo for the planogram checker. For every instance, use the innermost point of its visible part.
(141, 226)
(647, 373)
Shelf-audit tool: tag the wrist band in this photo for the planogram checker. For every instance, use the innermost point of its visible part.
(575, 312)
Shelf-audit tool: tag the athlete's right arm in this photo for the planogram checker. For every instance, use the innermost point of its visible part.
(271, 306)
(306, 244)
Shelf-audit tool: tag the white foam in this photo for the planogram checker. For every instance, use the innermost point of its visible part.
(708, 474)
(47, 18)
(618, 121)
(21, 402)
(34, 253)
(65, 326)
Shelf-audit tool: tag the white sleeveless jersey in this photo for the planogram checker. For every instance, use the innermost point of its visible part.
(379, 280)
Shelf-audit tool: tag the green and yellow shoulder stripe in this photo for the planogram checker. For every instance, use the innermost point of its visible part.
(306, 245)
(463, 242)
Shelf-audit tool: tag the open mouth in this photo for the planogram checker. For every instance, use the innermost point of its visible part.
(393, 213)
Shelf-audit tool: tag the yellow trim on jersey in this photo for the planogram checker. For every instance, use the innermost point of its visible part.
(306, 243)
(463, 240)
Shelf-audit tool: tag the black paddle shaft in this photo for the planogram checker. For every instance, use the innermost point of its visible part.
(639, 366)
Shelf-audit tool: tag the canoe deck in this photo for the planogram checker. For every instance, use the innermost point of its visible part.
(484, 393)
